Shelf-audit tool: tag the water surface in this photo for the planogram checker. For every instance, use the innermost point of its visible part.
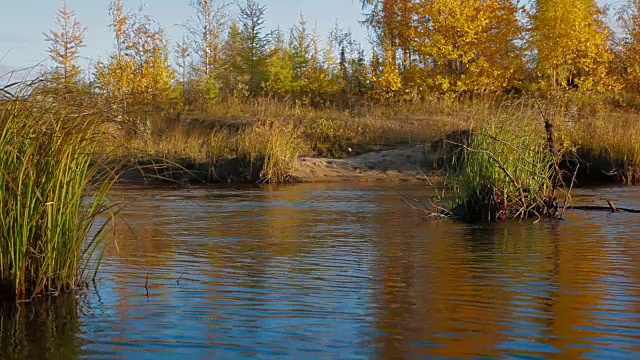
(348, 271)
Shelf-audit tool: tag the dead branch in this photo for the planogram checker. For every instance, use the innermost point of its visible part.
(610, 207)
(551, 143)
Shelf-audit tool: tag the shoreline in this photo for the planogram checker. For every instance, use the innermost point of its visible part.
(409, 163)
(405, 163)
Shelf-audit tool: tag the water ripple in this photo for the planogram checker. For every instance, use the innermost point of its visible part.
(344, 271)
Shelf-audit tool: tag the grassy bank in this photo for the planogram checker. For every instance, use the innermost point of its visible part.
(50, 194)
(277, 133)
(517, 158)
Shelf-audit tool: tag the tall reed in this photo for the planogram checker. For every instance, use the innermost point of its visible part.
(51, 193)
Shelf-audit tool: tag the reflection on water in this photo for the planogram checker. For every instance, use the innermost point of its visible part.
(344, 271)
(52, 328)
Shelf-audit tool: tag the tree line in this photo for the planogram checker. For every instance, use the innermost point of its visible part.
(420, 47)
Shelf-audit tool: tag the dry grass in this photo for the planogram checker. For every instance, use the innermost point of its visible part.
(278, 132)
(276, 145)
(614, 135)
(330, 131)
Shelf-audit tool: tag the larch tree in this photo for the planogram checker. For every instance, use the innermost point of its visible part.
(359, 74)
(254, 45)
(182, 58)
(316, 77)
(392, 23)
(230, 81)
(280, 67)
(300, 45)
(353, 69)
(140, 63)
(115, 78)
(385, 77)
(64, 45)
(571, 44)
(331, 65)
(150, 48)
(182, 53)
(386, 21)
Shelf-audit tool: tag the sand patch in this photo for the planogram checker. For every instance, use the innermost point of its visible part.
(398, 164)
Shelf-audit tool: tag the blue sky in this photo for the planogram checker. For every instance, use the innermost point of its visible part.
(23, 22)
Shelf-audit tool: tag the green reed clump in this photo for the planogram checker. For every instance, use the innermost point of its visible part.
(51, 192)
(507, 169)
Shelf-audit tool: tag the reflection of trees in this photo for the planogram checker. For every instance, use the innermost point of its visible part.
(466, 290)
(594, 262)
(575, 271)
(246, 234)
(227, 249)
(427, 299)
(42, 329)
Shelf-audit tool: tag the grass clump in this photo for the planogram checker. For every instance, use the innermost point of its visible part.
(276, 144)
(51, 192)
(507, 170)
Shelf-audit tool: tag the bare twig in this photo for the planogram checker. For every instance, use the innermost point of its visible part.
(567, 195)
(423, 208)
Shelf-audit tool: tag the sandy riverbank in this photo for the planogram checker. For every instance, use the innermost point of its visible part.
(406, 164)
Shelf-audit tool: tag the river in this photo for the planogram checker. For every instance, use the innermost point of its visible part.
(343, 271)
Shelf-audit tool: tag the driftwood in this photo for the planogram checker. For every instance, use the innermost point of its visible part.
(611, 207)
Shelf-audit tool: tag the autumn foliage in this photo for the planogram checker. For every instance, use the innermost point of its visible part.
(420, 48)
(572, 45)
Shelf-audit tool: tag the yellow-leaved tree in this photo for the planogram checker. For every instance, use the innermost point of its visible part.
(392, 22)
(280, 67)
(385, 77)
(571, 45)
(137, 74)
(629, 66)
(64, 45)
(467, 45)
